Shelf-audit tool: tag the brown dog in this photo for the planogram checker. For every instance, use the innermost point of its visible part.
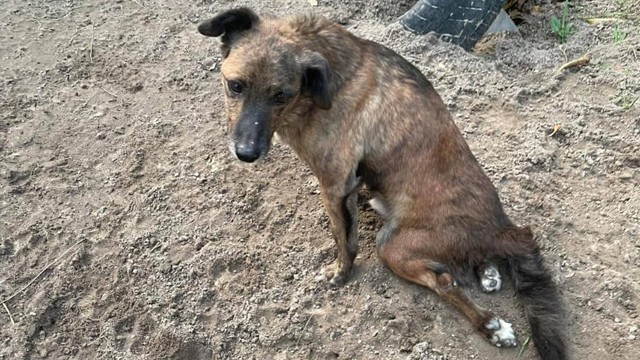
(357, 112)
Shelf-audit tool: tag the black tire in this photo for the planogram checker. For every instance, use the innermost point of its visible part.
(461, 22)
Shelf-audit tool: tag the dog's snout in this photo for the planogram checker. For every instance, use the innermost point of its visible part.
(247, 153)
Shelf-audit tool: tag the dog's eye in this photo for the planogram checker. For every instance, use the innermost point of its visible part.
(280, 98)
(236, 87)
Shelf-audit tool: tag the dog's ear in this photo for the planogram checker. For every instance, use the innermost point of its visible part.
(229, 24)
(316, 80)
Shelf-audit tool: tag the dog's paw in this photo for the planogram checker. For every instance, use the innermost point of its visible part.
(501, 333)
(490, 279)
(334, 274)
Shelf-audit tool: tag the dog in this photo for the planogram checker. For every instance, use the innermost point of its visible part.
(358, 113)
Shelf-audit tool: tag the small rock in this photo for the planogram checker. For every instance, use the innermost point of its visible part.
(611, 286)
(625, 175)
(101, 136)
(420, 347)
(135, 87)
(208, 62)
(96, 115)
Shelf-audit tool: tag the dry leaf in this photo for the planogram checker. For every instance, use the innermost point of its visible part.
(581, 61)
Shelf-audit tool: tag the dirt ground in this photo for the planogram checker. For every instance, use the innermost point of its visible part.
(147, 240)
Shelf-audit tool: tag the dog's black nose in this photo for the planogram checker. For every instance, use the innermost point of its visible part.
(247, 154)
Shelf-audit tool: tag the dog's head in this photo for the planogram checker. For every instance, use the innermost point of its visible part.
(270, 78)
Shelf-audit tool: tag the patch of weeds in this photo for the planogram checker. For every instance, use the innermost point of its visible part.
(618, 35)
(561, 27)
(626, 102)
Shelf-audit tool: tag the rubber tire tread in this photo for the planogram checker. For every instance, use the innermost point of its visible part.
(461, 22)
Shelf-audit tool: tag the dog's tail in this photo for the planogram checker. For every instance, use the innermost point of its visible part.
(539, 295)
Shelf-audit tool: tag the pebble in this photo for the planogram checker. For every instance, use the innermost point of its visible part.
(625, 175)
(101, 136)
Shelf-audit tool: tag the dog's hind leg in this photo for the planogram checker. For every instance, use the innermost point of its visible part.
(409, 255)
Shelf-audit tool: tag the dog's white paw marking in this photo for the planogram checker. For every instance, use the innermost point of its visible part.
(323, 275)
(490, 279)
(331, 274)
(502, 333)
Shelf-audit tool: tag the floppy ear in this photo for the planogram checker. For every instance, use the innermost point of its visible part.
(229, 24)
(316, 80)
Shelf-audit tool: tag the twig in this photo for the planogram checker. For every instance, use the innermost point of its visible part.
(70, 11)
(89, 99)
(303, 329)
(523, 347)
(108, 92)
(156, 246)
(42, 272)
(192, 97)
(40, 26)
(91, 45)
(581, 61)
(201, 95)
(73, 37)
(564, 52)
(39, 23)
(9, 313)
(100, 335)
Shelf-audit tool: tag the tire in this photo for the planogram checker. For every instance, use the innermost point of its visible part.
(461, 22)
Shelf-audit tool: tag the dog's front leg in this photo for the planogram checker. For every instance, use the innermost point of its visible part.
(342, 207)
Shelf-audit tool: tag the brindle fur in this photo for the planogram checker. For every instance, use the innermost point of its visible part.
(357, 112)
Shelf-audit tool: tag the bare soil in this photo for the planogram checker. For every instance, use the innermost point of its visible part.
(147, 240)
